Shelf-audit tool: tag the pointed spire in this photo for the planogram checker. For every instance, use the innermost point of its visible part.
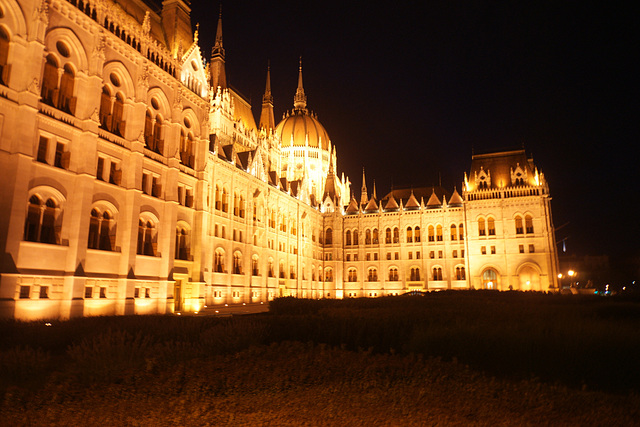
(392, 204)
(364, 198)
(412, 203)
(300, 99)
(374, 196)
(455, 199)
(433, 202)
(217, 68)
(267, 120)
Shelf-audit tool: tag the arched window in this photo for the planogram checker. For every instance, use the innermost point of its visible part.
(241, 206)
(367, 237)
(491, 226)
(271, 272)
(225, 200)
(387, 238)
(528, 222)
(352, 275)
(105, 109)
(432, 237)
(40, 225)
(490, 279)
(437, 273)
(281, 270)
(461, 232)
(328, 275)
(182, 243)
(186, 148)
(355, 237)
(373, 275)
(235, 204)
(416, 234)
(4, 57)
(153, 132)
(519, 228)
(439, 233)
(454, 232)
(146, 238)
(292, 271)
(218, 198)
(481, 230)
(66, 101)
(237, 263)
(396, 235)
(347, 238)
(393, 274)
(375, 236)
(49, 91)
(100, 231)
(328, 240)
(409, 235)
(118, 115)
(415, 274)
(460, 273)
(218, 261)
(254, 265)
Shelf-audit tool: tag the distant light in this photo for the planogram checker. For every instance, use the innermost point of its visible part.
(217, 311)
(261, 302)
(179, 314)
(559, 275)
(195, 312)
(571, 273)
(226, 305)
(244, 303)
(47, 324)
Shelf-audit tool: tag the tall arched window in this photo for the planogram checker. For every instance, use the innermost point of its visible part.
(237, 263)
(355, 237)
(439, 233)
(186, 148)
(347, 238)
(393, 274)
(49, 91)
(182, 243)
(491, 226)
(225, 200)
(218, 198)
(415, 274)
(373, 275)
(146, 238)
(387, 234)
(481, 229)
(437, 273)
(460, 273)
(118, 115)
(328, 275)
(100, 234)
(254, 265)
(461, 232)
(431, 232)
(519, 228)
(66, 100)
(153, 132)
(367, 237)
(375, 236)
(328, 240)
(281, 270)
(40, 225)
(352, 275)
(396, 235)
(409, 235)
(235, 204)
(490, 279)
(528, 222)
(241, 206)
(5, 68)
(416, 234)
(454, 232)
(218, 261)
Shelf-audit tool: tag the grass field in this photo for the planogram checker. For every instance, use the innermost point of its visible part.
(445, 358)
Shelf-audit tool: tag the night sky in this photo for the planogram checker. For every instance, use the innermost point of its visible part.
(410, 92)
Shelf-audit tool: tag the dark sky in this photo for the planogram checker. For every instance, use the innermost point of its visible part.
(408, 92)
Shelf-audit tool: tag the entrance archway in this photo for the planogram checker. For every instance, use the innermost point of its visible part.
(529, 279)
(490, 279)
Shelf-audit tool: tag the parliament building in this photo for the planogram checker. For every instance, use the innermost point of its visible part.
(136, 181)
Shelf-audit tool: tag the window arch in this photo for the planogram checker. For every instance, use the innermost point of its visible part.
(454, 232)
(186, 148)
(328, 275)
(437, 273)
(355, 237)
(153, 136)
(393, 274)
(396, 235)
(461, 231)
(439, 233)
(352, 275)
(225, 200)
(182, 246)
(111, 113)
(49, 91)
(416, 234)
(66, 100)
(372, 275)
(271, 271)
(102, 234)
(292, 271)
(4, 57)
(147, 236)
(218, 198)
(42, 222)
(491, 226)
(387, 238)
(255, 262)
(460, 273)
(409, 235)
(414, 274)
(375, 236)
(218, 261)
(347, 238)
(237, 263)
(328, 240)
(528, 223)
(431, 232)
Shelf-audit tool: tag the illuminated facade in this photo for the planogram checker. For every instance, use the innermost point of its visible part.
(136, 181)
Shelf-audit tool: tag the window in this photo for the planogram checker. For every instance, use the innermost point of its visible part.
(373, 275)
(491, 225)
(455, 254)
(328, 237)
(375, 236)
(397, 255)
(49, 92)
(5, 67)
(43, 148)
(271, 272)
(388, 256)
(88, 291)
(439, 254)
(454, 232)
(493, 250)
(375, 256)
(103, 292)
(182, 243)
(44, 292)
(416, 234)
(146, 238)
(352, 275)
(292, 271)
(40, 225)
(519, 229)
(355, 237)
(348, 258)
(439, 233)
(532, 249)
(367, 237)
(396, 235)
(281, 270)
(417, 254)
(25, 292)
(483, 250)
(461, 235)
(387, 238)
(490, 279)
(368, 256)
(347, 238)
(237, 263)
(254, 265)
(218, 261)
(393, 274)
(186, 149)
(431, 234)
(528, 220)
(153, 137)
(432, 254)
(415, 274)
(100, 231)
(460, 273)
(328, 276)
(409, 235)
(111, 112)
(521, 248)
(437, 273)
(481, 229)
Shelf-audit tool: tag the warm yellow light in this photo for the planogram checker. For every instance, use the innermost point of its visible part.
(571, 273)
(559, 275)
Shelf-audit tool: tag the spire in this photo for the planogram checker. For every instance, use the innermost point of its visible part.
(300, 99)
(374, 196)
(267, 120)
(364, 198)
(217, 70)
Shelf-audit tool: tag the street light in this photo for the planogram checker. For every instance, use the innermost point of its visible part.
(571, 274)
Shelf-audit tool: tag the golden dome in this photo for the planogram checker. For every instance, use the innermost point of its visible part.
(299, 126)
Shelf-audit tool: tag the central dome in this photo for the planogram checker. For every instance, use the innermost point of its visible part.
(300, 129)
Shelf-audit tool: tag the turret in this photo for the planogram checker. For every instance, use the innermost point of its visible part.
(217, 68)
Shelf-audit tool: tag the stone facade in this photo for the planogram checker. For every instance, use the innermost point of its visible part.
(135, 181)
